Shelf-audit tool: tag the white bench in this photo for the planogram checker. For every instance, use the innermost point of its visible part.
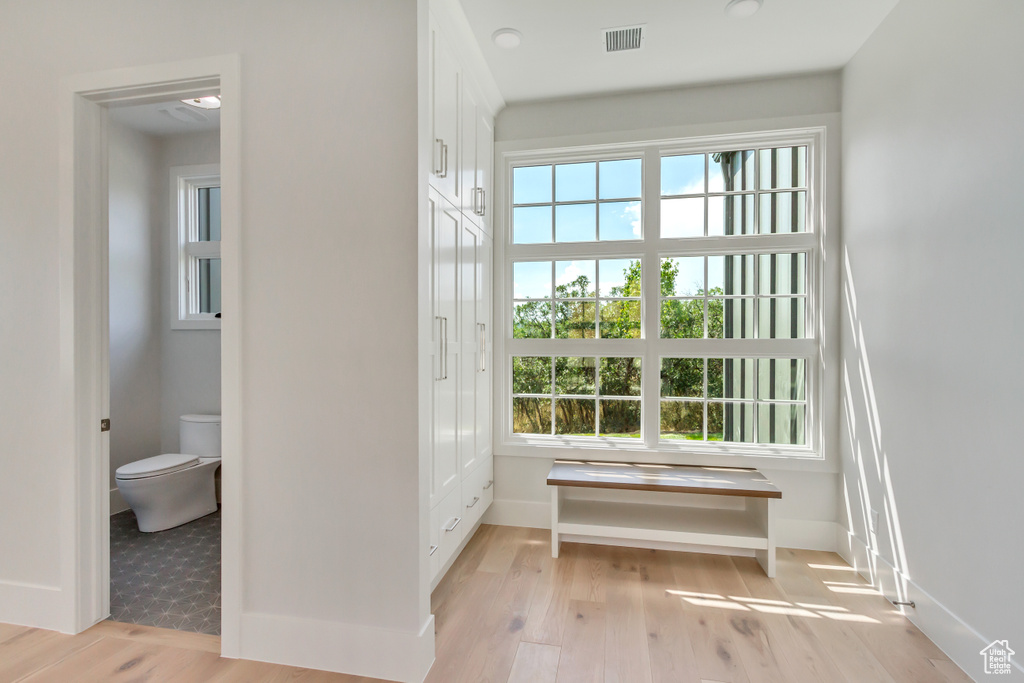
(749, 528)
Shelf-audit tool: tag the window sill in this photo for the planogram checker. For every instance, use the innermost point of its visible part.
(617, 450)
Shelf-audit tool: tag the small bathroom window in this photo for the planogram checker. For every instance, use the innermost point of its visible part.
(196, 221)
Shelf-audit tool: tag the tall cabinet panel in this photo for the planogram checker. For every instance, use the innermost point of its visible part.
(474, 288)
(446, 81)
(477, 143)
(445, 253)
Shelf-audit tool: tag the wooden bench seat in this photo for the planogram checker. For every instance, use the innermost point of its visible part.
(750, 528)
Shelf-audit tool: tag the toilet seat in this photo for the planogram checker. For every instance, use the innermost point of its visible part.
(155, 466)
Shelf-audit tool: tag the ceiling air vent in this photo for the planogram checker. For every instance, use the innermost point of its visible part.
(623, 38)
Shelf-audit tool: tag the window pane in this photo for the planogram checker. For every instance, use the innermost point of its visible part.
(620, 277)
(620, 418)
(575, 319)
(781, 423)
(732, 215)
(682, 276)
(620, 179)
(531, 415)
(209, 214)
(620, 376)
(781, 379)
(731, 422)
(575, 416)
(682, 217)
(620, 319)
(783, 273)
(531, 375)
(575, 376)
(682, 377)
(576, 223)
(682, 420)
(781, 318)
(209, 285)
(620, 221)
(575, 182)
(574, 279)
(731, 378)
(531, 279)
(731, 275)
(731, 171)
(783, 212)
(682, 319)
(531, 320)
(682, 174)
(730, 318)
(531, 185)
(531, 224)
(783, 167)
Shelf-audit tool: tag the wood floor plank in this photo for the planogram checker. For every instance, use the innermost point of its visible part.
(588, 577)
(10, 630)
(491, 657)
(550, 608)
(160, 636)
(671, 653)
(708, 628)
(627, 656)
(535, 663)
(467, 563)
(114, 659)
(582, 655)
(501, 549)
(34, 649)
(457, 633)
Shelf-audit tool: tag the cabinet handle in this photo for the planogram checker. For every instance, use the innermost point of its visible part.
(440, 340)
(476, 500)
(483, 346)
(476, 196)
(454, 524)
(445, 318)
(433, 549)
(483, 202)
(441, 170)
(489, 484)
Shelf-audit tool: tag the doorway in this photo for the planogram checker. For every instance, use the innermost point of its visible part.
(85, 321)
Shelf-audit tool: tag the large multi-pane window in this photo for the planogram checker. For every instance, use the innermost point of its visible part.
(664, 296)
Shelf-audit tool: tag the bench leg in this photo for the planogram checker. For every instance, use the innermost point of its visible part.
(555, 502)
(766, 558)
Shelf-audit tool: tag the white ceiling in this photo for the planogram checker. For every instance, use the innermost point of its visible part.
(167, 118)
(688, 42)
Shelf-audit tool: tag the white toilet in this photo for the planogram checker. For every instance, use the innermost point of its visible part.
(174, 488)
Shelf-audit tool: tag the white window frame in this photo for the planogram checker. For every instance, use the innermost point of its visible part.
(651, 348)
(186, 181)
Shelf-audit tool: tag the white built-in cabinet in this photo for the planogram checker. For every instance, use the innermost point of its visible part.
(461, 474)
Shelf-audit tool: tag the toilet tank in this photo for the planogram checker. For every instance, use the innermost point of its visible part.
(200, 435)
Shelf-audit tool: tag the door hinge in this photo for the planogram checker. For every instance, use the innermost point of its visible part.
(105, 424)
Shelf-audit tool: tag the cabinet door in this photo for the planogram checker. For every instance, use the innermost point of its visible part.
(470, 248)
(484, 168)
(468, 188)
(445, 81)
(484, 368)
(445, 248)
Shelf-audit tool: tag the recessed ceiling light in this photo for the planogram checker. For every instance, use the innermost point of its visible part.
(507, 38)
(742, 8)
(211, 102)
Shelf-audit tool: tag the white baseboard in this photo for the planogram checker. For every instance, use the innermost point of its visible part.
(789, 533)
(117, 501)
(26, 604)
(958, 639)
(344, 648)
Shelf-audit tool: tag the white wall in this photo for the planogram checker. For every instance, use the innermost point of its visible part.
(807, 512)
(190, 358)
(932, 151)
(136, 261)
(330, 536)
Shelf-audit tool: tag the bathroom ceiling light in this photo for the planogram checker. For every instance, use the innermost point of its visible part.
(507, 38)
(210, 102)
(740, 9)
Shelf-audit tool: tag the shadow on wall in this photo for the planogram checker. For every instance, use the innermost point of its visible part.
(874, 546)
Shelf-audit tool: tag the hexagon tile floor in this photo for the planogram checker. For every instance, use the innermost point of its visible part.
(167, 578)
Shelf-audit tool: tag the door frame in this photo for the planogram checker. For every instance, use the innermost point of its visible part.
(84, 326)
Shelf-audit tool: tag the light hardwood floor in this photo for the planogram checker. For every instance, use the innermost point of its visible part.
(507, 611)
